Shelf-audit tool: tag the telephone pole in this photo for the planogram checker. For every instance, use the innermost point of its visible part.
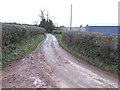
(47, 16)
(71, 18)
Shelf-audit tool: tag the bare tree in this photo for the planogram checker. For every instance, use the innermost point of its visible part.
(45, 21)
(42, 15)
(36, 22)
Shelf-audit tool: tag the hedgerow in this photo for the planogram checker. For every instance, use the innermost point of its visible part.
(19, 39)
(13, 32)
(101, 47)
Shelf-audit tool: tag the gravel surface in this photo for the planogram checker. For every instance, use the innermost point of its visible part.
(50, 66)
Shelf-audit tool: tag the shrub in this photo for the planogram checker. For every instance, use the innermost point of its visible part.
(103, 47)
(13, 33)
(57, 31)
(18, 39)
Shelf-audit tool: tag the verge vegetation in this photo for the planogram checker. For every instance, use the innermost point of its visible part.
(99, 49)
(18, 40)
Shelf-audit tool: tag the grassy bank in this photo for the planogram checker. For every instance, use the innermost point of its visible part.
(95, 60)
(20, 48)
(19, 39)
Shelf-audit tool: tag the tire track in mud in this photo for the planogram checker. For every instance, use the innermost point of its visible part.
(49, 66)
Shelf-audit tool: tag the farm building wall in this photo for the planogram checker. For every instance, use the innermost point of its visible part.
(103, 29)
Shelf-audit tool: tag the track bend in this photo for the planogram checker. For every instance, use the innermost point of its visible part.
(51, 66)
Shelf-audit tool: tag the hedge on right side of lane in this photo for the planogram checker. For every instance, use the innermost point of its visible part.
(100, 49)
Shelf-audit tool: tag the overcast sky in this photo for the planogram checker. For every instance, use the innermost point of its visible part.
(92, 12)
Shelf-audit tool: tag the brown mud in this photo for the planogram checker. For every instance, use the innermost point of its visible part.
(50, 66)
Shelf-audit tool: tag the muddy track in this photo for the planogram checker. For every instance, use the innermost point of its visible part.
(49, 66)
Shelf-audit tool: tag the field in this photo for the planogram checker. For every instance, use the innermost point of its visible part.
(19, 39)
(97, 48)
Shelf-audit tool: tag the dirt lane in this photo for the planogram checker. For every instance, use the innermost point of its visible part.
(51, 66)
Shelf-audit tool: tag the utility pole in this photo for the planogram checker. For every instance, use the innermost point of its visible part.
(71, 18)
(47, 16)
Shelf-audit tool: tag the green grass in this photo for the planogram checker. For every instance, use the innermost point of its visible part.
(81, 54)
(20, 48)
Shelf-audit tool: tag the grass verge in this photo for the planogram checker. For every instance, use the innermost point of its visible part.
(80, 54)
(20, 48)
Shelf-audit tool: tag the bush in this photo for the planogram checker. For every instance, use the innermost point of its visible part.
(101, 47)
(18, 39)
(57, 31)
(13, 33)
